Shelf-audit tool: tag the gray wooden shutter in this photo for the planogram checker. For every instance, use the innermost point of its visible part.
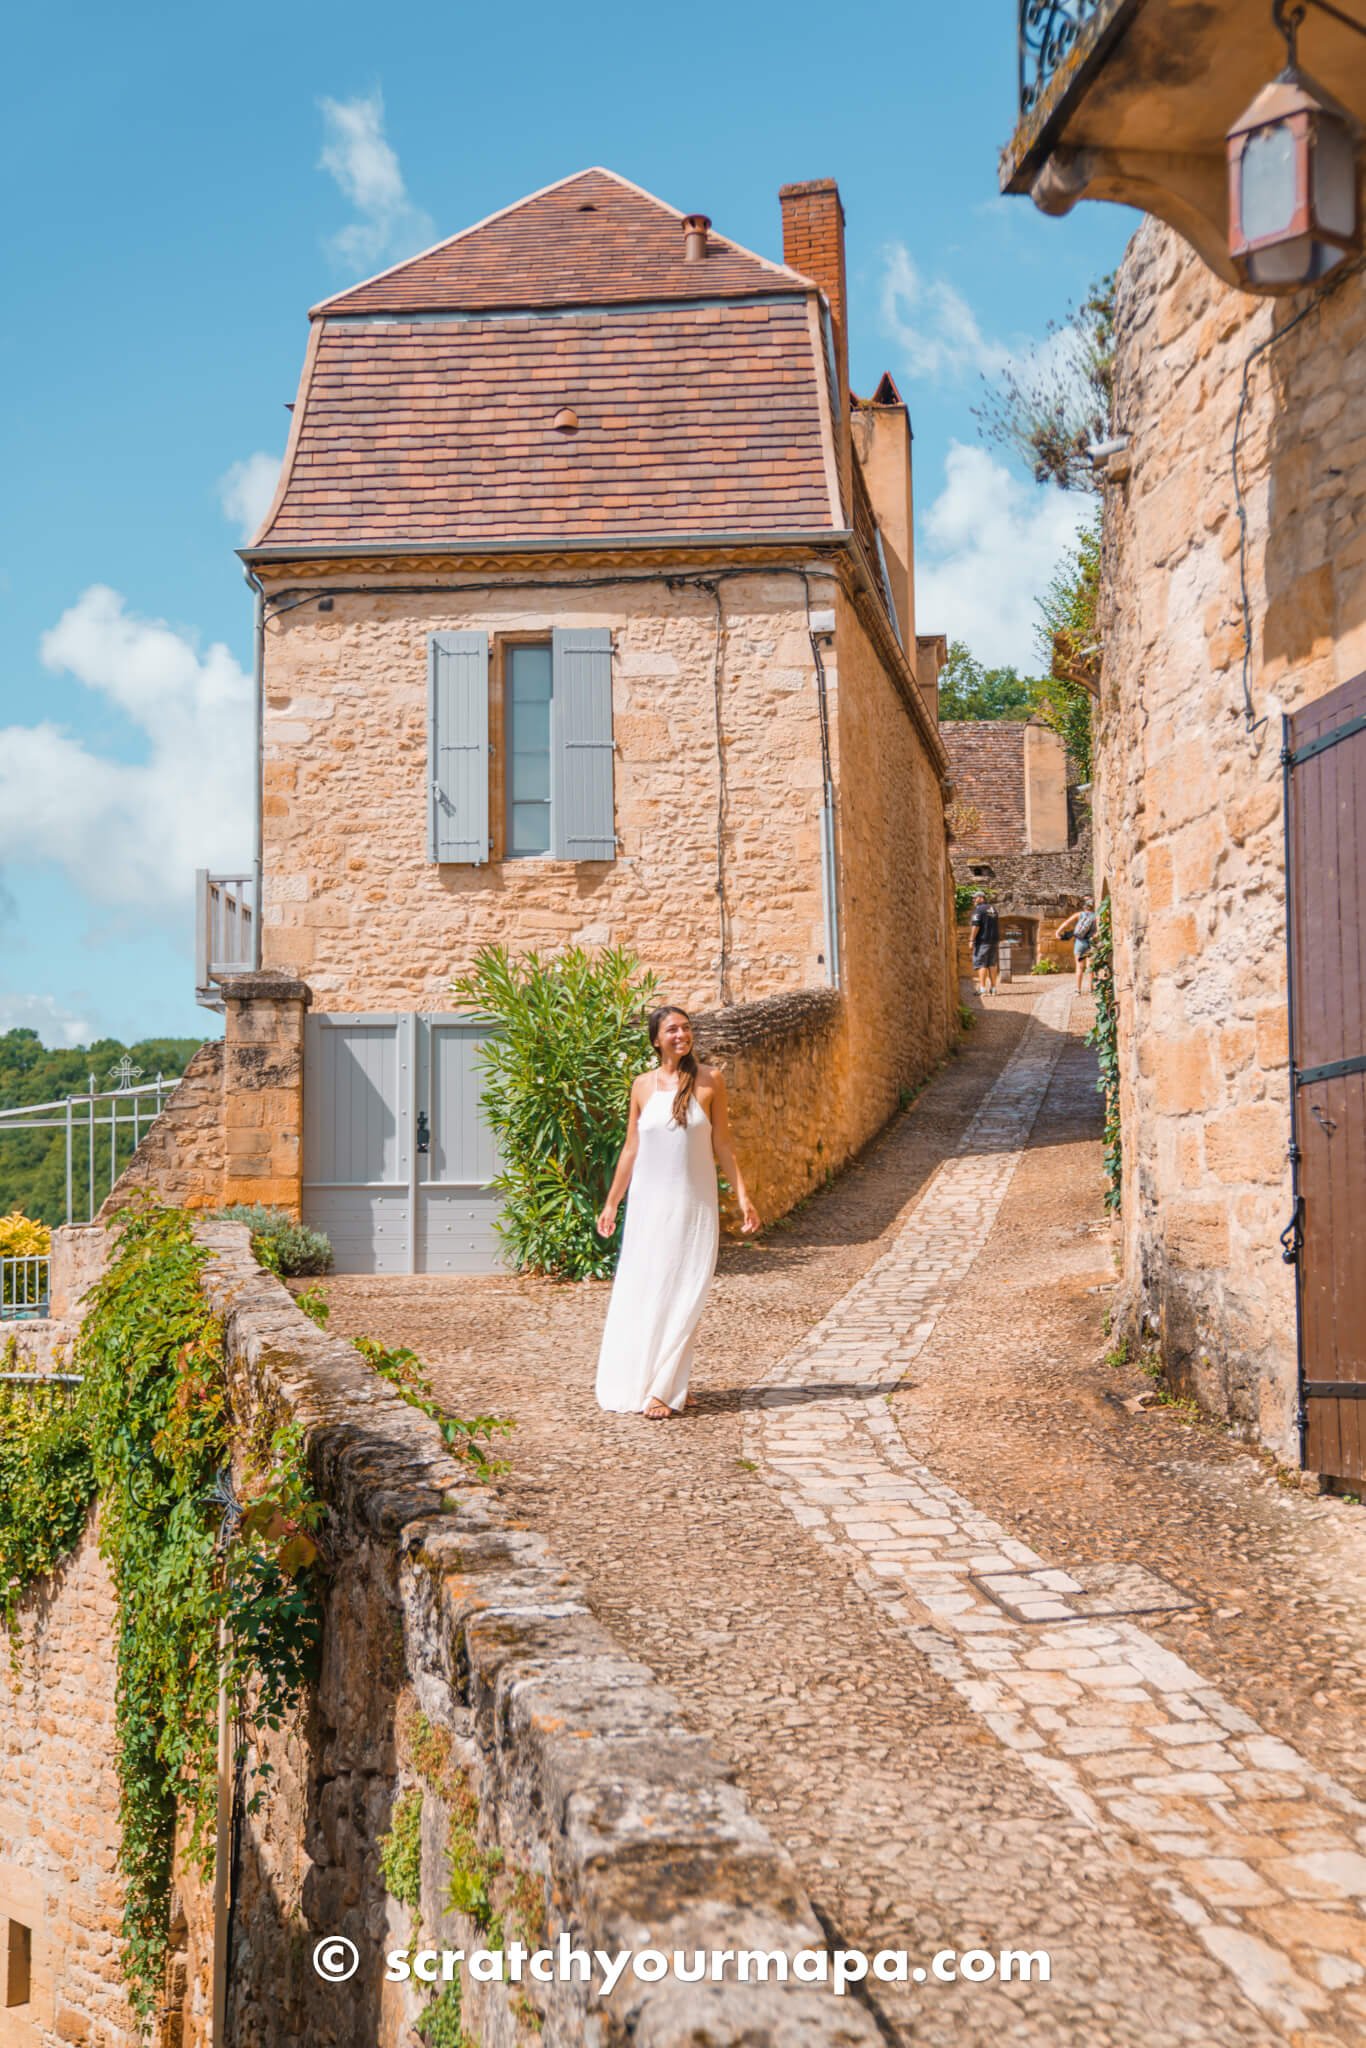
(458, 747)
(582, 797)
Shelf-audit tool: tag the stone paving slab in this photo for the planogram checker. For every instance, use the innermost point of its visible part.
(1086, 1593)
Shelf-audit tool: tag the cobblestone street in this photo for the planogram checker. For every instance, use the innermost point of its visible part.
(1003, 1658)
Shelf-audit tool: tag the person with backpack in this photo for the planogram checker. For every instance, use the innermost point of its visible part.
(986, 944)
(1081, 928)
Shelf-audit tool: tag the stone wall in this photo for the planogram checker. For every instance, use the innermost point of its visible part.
(898, 980)
(779, 1056)
(1188, 801)
(1039, 889)
(232, 1131)
(59, 1812)
(182, 1156)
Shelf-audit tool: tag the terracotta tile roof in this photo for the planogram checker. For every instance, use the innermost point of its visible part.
(692, 419)
(593, 239)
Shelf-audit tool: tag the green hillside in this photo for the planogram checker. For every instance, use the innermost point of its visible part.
(33, 1165)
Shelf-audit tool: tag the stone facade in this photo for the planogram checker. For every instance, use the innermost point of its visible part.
(717, 884)
(59, 1814)
(1188, 798)
(1021, 834)
(1010, 781)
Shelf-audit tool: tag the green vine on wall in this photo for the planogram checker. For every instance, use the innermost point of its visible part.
(1104, 1036)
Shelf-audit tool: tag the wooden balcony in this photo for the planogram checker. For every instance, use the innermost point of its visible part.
(1131, 101)
(227, 931)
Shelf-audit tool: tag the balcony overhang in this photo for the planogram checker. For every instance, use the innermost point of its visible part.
(1131, 101)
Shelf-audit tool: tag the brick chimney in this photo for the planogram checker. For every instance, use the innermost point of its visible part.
(813, 243)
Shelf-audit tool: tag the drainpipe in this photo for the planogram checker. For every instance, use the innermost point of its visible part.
(258, 848)
(830, 901)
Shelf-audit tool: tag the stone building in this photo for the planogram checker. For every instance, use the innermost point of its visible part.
(1230, 724)
(1021, 834)
(586, 617)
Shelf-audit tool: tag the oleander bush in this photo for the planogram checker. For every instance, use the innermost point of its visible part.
(570, 1040)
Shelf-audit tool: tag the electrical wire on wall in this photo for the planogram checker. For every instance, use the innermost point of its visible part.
(1250, 719)
(722, 802)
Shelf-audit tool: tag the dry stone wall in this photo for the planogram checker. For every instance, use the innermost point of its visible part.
(1188, 802)
(59, 1812)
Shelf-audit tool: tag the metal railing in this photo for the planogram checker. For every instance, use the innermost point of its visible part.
(102, 1129)
(1049, 32)
(25, 1286)
(226, 929)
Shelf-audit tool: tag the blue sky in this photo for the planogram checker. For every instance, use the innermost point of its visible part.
(187, 181)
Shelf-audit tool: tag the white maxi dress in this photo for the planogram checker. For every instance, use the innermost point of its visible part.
(668, 1257)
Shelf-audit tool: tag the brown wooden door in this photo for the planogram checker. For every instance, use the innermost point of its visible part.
(1326, 852)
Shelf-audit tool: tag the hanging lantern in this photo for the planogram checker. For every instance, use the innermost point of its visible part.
(1292, 179)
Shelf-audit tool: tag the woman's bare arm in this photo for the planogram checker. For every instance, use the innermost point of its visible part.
(723, 1145)
(621, 1179)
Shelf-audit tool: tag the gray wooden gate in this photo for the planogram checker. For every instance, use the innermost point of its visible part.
(397, 1154)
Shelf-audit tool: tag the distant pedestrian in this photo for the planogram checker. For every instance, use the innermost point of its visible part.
(986, 944)
(1081, 928)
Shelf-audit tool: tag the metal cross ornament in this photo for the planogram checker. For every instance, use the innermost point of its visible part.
(124, 1073)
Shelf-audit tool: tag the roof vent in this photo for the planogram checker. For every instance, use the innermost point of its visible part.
(588, 206)
(566, 420)
(695, 237)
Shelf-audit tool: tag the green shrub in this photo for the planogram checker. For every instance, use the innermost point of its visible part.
(966, 1017)
(963, 894)
(440, 2025)
(284, 1247)
(571, 1039)
(1044, 965)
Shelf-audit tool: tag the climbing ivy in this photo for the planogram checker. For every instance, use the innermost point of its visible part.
(46, 1484)
(1104, 1036)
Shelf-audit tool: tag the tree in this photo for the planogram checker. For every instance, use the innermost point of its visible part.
(33, 1163)
(1064, 698)
(968, 690)
(1051, 408)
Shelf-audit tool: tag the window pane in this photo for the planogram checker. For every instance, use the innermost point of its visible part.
(530, 828)
(528, 744)
(530, 726)
(529, 670)
(531, 778)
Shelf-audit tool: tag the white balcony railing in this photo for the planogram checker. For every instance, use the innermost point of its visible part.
(227, 930)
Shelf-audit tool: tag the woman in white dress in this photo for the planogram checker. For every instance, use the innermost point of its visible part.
(678, 1133)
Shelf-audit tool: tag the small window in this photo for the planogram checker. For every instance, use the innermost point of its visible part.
(18, 1964)
(528, 696)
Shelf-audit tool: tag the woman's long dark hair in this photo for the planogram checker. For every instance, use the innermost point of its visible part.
(687, 1066)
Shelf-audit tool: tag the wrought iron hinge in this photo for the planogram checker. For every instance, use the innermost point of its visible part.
(1292, 1237)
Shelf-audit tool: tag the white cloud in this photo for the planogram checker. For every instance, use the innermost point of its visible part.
(245, 490)
(357, 154)
(54, 1025)
(988, 547)
(933, 324)
(131, 833)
